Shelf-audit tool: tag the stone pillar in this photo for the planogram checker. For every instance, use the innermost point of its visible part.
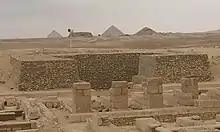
(155, 93)
(190, 85)
(119, 95)
(81, 100)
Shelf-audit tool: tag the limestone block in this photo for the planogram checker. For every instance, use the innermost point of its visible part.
(190, 85)
(203, 96)
(29, 130)
(2, 104)
(79, 92)
(33, 113)
(82, 85)
(87, 92)
(162, 129)
(96, 122)
(83, 104)
(119, 84)
(207, 103)
(115, 91)
(214, 94)
(130, 85)
(146, 124)
(217, 118)
(124, 91)
(11, 100)
(138, 79)
(185, 121)
(155, 100)
(119, 105)
(179, 94)
(185, 102)
(119, 98)
(154, 85)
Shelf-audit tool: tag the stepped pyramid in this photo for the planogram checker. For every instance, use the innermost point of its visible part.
(145, 31)
(112, 31)
(54, 34)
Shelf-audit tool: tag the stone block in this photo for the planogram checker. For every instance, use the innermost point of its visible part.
(179, 94)
(34, 113)
(119, 98)
(203, 96)
(75, 118)
(79, 92)
(185, 121)
(83, 104)
(7, 116)
(124, 91)
(217, 118)
(10, 100)
(155, 101)
(82, 85)
(190, 85)
(154, 85)
(119, 84)
(146, 124)
(207, 103)
(119, 105)
(115, 91)
(138, 79)
(87, 92)
(29, 130)
(214, 94)
(185, 102)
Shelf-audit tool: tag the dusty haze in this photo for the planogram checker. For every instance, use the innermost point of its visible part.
(36, 18)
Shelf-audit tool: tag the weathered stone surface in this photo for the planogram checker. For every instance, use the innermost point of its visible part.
(207, 103)
(138, 79)
(154, 85)
(174, 67)
(81, 98)
(147, 124)
(10, 100)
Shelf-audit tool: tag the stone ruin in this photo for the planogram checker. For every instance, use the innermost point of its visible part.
(100, 68)
(33, 111)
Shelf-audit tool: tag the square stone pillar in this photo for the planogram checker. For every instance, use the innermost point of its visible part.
(81, 99)
(190, 85)
(119, 95)
(154, 92)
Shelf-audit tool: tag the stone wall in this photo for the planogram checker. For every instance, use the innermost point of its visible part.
(122, 118)
(174, 67)
(101, 69)
(35, 74)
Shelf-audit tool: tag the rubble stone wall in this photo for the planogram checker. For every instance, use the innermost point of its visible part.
(122, 118)
(36, 75)
(100, 69)
(174, 67)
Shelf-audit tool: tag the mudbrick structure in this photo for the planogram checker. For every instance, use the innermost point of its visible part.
(59, 70)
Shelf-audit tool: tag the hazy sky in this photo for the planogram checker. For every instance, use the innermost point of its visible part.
(37, 18)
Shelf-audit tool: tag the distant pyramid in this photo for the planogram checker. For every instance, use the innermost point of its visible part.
(112, 31)
(54, 34)
(145, 31)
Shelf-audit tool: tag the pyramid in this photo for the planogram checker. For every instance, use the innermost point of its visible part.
(145, 31)
(112, 31)
(54, 34)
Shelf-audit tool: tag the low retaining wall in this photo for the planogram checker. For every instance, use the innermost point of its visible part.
(122, 118)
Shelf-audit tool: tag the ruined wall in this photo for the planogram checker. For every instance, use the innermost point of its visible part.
(36, 75)
(123, 118)
(174, 67)
(101, 69)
